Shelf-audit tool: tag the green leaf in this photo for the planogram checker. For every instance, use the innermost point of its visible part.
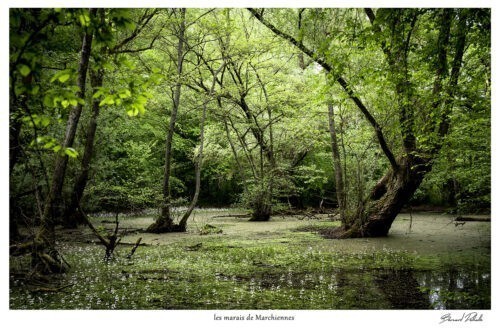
(24, 70)
(98, 93)
(48, 101)
(129, 25)
(45, 121)
(108, 100)
(35, 89)
(84, 19)
(19, 89)
(63, 78)
(124, 93)
(107, 65)
(71, 152)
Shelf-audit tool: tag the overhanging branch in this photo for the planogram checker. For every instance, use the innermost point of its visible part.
(340, 80)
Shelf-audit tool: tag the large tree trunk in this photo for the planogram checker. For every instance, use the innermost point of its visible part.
(165, 223)
(388, 196)
(376, 214)
(73, 216)
(45, 257)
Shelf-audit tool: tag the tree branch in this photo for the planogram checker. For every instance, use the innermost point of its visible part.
(343, 83)
(371, 15)
(455, 72)
(144, 20)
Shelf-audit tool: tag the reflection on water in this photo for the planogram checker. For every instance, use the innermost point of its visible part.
(451, 288)
(456, 288)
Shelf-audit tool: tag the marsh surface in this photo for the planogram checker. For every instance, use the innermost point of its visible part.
(427, 262)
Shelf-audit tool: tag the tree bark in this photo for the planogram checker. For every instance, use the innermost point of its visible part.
(73, 216)
(199, 160)
(45, 238)
(376, 214)
(165, 223)
(261, 198)
(14, 144)
(389, 195)
(339, 177)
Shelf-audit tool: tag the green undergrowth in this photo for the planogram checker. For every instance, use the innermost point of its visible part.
(290, 268)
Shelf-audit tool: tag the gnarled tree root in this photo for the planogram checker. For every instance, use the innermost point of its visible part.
(49, 262)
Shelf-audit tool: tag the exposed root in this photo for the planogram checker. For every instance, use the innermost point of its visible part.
(21, 249)
(49, 261)
(341, 233)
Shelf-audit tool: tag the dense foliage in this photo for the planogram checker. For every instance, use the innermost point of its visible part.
(266, 136)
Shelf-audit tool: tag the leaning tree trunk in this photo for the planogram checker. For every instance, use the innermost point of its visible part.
(376, 214)
(388, 196)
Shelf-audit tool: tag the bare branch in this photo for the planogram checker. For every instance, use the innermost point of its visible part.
(142, 24)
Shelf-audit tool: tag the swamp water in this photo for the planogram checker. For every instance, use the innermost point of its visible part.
(281, 264)
(363, 289)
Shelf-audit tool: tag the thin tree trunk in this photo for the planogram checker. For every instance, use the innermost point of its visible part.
(233, 149)
(263, 203)
(15, 126)
(199, 161)
(14, 144)
(54, 194)
(73, 215)
(337, 164)
(302, 64)
(164, 223)
(45, 256)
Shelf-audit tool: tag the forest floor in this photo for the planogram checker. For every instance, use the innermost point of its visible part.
(225, 262)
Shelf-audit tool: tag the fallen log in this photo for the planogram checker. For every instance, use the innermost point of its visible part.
(472, 219)
(239, 216)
